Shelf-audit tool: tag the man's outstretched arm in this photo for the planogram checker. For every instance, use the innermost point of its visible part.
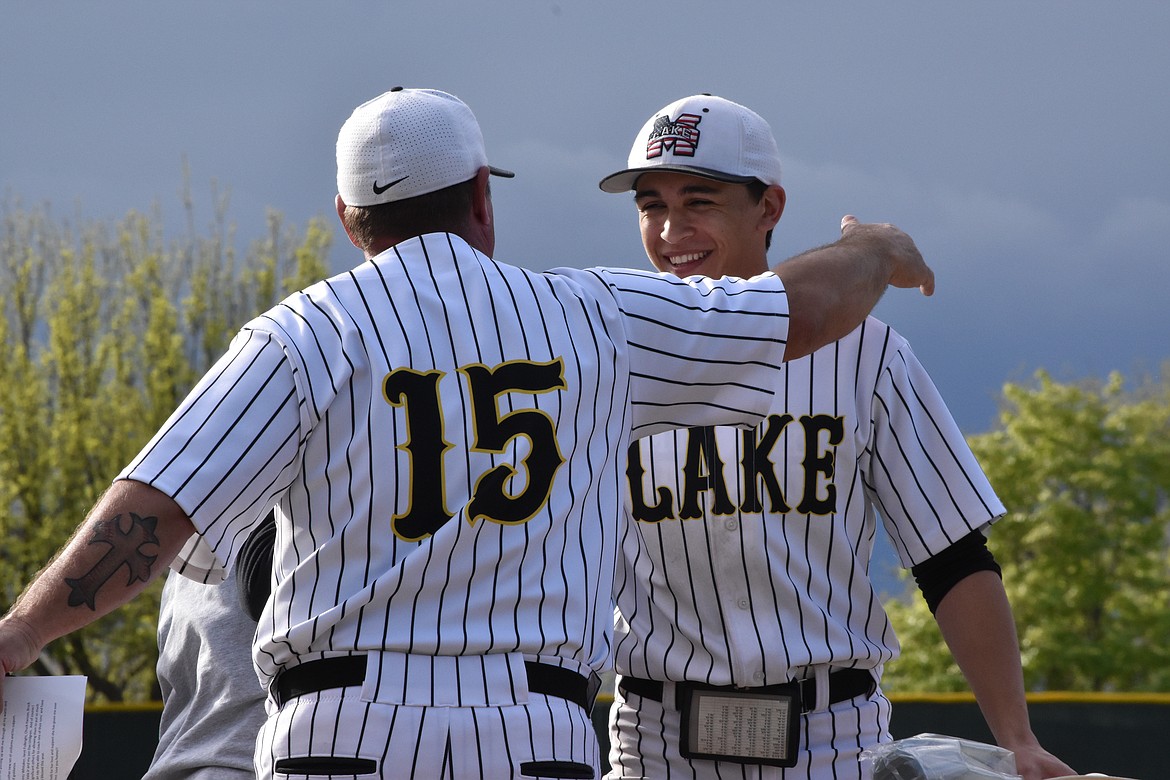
(833, 288)
(129, 538)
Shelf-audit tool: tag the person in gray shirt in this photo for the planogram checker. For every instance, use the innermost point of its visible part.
(213, 704)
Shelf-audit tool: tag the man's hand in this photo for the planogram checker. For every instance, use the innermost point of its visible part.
(1035, 763)
(907, 268)
(833, 288)
(19, 647)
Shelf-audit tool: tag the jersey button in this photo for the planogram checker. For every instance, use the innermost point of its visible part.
(742, 603)
(732, 524)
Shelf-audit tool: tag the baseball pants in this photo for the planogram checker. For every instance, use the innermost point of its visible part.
(361, 732)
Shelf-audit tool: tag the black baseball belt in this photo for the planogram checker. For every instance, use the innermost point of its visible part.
(348, 670)
(844, 684)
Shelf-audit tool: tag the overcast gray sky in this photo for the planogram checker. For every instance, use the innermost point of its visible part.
(1022, 144)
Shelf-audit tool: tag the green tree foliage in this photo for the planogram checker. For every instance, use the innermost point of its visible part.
(104, 329)
(1084, 470)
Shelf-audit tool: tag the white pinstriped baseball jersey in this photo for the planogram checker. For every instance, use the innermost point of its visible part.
(753, 555)
(443, 437)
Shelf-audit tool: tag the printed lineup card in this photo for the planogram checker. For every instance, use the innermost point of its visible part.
(739, 726)
(40, 727)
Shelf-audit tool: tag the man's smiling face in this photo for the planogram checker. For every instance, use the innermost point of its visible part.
(693, 225)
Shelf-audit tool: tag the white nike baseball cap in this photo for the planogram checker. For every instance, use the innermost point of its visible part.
(702, 135)
(405, 143)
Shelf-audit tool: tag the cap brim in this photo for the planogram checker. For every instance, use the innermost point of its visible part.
(625, 180)
(501, 172)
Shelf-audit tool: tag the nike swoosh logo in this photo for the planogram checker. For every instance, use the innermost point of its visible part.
(379, 190)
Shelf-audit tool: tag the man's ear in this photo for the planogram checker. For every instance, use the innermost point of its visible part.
(481, 232)
(773, 202)
(481, 207)
(340, 205)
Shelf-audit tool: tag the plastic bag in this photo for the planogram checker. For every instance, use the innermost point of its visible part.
(938, 757)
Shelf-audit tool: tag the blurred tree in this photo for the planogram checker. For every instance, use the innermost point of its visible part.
(103, 331)
(1084, 470)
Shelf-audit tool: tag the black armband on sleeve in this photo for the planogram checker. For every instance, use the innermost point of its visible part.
(254, 567)
(937, 575)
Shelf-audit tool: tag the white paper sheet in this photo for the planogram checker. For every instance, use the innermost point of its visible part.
(40, 727)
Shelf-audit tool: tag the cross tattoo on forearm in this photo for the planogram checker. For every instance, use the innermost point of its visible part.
(125, 550)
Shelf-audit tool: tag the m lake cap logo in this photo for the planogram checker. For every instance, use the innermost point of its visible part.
(679, 136)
